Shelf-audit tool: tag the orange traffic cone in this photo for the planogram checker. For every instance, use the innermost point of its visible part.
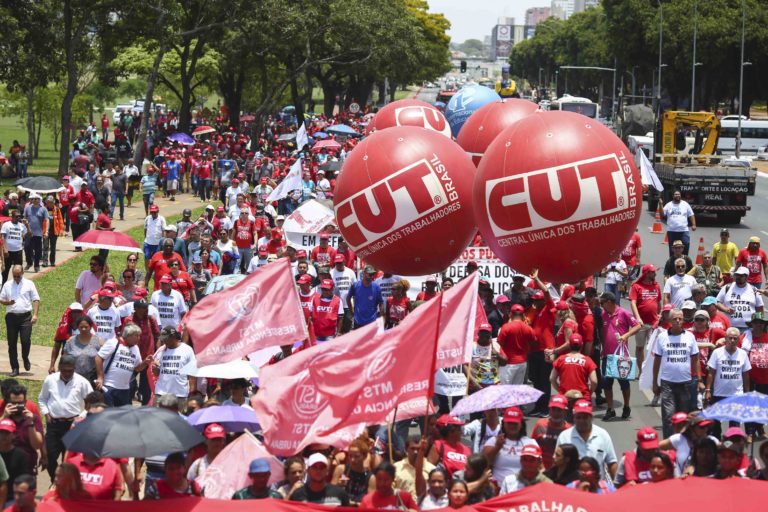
(657, 228)
(666, 239)
(700, 252)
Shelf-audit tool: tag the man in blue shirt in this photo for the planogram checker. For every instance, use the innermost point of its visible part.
(368, 301)
(174, 170)
(36, 214)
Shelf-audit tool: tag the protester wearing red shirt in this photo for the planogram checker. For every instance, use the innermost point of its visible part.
(385, 496)
(244, 232)
(349, 255)
(631, 253)
(754, 258)
(645, 301)
(306, 294)
(86, 197)
(183, 283)
(276, 243)
(546, 430)
(326, 312)
(585, 320)
(431, 289)
(101, 478)
(574, 370)
(516, 338)
(542, 315)
(159, 264)
(323, 254)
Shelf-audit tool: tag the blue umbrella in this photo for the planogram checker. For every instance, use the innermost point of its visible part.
(232, 417)
(749, 407)
(182, 138)
(342, 129)
(320, 135)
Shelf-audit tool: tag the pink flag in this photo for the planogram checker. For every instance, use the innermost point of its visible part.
(459, 323)
(260, 311)
(229, 471)
(289, 405)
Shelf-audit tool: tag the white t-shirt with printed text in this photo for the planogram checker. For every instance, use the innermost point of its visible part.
(729, 370)
(676, 352)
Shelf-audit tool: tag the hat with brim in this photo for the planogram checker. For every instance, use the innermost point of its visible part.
(758, 316)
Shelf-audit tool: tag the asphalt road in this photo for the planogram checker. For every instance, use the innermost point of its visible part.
(623, 432)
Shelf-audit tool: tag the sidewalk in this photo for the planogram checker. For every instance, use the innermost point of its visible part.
(40, 355)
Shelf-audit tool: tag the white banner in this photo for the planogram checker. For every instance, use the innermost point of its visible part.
(451, 381)
(306, 222)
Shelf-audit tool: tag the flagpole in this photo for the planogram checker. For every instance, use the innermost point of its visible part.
(434, 364)
(389, 432)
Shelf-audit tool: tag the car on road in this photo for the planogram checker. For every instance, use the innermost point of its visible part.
(762, 153)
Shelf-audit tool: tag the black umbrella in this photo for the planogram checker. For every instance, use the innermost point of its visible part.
(132, 432)
(39, 184)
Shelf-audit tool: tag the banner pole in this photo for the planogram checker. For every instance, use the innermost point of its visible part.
(434, 365)
(389, 434)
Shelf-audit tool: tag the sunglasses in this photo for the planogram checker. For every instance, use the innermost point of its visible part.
(174, 264)
(133, 259)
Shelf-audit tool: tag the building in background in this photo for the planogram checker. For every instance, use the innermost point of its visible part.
(536, 15)
(564, 9)
(502, 38)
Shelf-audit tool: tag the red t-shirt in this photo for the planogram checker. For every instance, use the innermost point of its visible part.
(158, 264)
(543, 324)
(755, 261)
(586, 327)
(398, 309)
(183, 283)
(306, 303)
(67, 195)
(325, 315)
(101, 480)
(758, 358)
(515, 339)
(324, 256)
(710, 335)
(426, 295)
(374, 500)
(244, 234)
(647, 297)
(86, 197)
(104, 222)
(629, 254)
(453, 458)
(568, 324)
(719, 321)
(546, 435)
(574, 371)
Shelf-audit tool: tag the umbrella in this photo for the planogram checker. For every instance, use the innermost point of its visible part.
(326, 144)
(287, 137)
(342, 129)
(132, 432)
(220, 283)
(201, 130)
(110, 240)
(747, 407)
(247, 118)
(39, 184)
(238, 369)
(232, 417)
(496, 397)
(182, 138)
(320, 135)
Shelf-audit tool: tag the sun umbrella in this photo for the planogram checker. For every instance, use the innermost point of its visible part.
(238, 369)
(748, 407)
(39, 184)
(287, 137)
(342, 129)
(110, 240)
(182, 138)
(320, 135)
(496, 397)
(132, 432)
(247, 118)
(202, 130)
(232, 417)
(325, 144)
(220, 283)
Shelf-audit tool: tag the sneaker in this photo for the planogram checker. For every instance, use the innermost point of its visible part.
(37, 269)
(655, 401)
(625, 413)
(600, 400)
(609, 415)
(28, 267)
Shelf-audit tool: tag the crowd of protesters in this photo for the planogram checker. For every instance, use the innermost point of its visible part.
(700, 337)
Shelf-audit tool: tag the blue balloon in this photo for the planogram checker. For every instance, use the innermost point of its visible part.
(464, 103)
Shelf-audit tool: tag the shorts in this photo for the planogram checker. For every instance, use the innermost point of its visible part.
(607, 382)
(173, 185)
(643, 335)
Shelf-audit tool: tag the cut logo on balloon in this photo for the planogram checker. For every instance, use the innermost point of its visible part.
(569, 206)
(425, 117)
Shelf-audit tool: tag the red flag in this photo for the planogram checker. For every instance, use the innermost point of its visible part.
(462, 316)
(260, 311)
(289, 405)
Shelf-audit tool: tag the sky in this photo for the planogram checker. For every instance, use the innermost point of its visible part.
(474, 19)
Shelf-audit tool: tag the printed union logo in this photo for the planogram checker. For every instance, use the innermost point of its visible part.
(244, 303)
(383, 361)
(307, 401)
(422, 117)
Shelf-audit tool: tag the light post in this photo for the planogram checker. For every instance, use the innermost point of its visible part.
(557, 74)
(661, 46)
(693, 86)
(741, 77)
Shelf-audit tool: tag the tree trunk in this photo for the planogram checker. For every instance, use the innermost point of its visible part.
(37, 134)
(145, 119)
(31, 147)
(297, 102)
(329, 98)
(66, 104)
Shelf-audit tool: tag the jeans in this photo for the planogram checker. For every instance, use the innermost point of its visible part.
(194, 184)
(205, 189)
(149, 199)
(538, 371)
(49, 249)
(116, 397)
(34, 251)
(142, 386)
(245, 259)
(22, 170)
(18, 325)
(65, 214)
(115, 198)
(614, 289)
(54, 433)
(675, 397)
(683, 236)
(149, 250)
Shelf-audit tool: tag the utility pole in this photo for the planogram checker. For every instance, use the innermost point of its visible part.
(693, 64)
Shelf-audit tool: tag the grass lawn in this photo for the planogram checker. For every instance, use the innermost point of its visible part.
(57, 287)
(33, 388)
(11, 128)
(317, 95)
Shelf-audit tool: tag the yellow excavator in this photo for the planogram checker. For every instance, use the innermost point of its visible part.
(685, 159)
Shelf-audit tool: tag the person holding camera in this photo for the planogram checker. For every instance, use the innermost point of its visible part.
(615, 274)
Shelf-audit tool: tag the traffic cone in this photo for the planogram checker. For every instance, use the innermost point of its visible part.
(700, 252)
(657, 228)
(666, 239)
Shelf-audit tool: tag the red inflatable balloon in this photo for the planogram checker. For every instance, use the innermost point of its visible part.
(488, 121)
(410, 113)
(557, 191)
(402, 200)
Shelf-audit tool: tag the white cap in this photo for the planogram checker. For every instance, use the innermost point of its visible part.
(701, 312)
(281, 217)
(76, 306)
(210, 207)
(317, 458)
(171, 227)
(742, 270)
(689, 304)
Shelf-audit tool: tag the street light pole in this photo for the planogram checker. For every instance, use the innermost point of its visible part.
(557, 74)
(661, 45)
(693, 65)
(741, 77)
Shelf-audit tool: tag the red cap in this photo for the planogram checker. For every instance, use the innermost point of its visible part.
(518, 308)
(214, 431)
(106, 292)
(8, 425)
(558, 402)
(154, 208)
(235, 181)
(339, 258)
(140, 293)
(734, 432)
(304, 279)
(668, 307)
(326, 284)
(324, 236)
(263, 250)
(531, 450)
(538, 295)
(582, 406)
(219, 208)
(679, 417)
(447, 419)
(110, 285)
(648, 438)
(576, 340)
(561, 305)
(501, 299)
(301, 254)
(485, 327)
(167, 278)
(472, 263)
(513, 415)
(276, 234)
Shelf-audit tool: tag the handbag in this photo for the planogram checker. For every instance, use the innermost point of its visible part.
(620, 365)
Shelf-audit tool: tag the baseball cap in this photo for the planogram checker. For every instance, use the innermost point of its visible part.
(754, 239)
(730, 446)
(339, 258)
(518, 308)
(65, 178)
(214, 431)
(140, 293)
(276, 234)
(562, 306)
(678, 243)
(701, 421)
(369, 269)
(667, 307)
(263, 250)
(245, 210)
(196, 259)
(708, 301)
(513, 415)
(689, 304)
(171, 227)
(431, 279)
(209, 207)
(725, 231)
(8, 425)
(260, 465)
(531, 450)
(76, 306)
(141, 303)
(317, 458)
(648, 438)
(648, 267)
(327, 284)
(324, 236)
(558, 402)
(219, 208)
(106, 292)
(576, 340)
(280, 217)
(484, 282)
(166, 279)
(304, 279)
(539, 295)
(154, 208)
(582, 406)
(485, 327)
(734, 432)
(301, 254)
(744, 271)
(679, 417)
(701, 313)
(447, 419)
(235, 181)
(501, 299)
(518, 276)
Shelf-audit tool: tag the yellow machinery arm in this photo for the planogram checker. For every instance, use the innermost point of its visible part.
(705, 123)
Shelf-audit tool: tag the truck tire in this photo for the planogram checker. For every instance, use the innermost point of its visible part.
(729, 218)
